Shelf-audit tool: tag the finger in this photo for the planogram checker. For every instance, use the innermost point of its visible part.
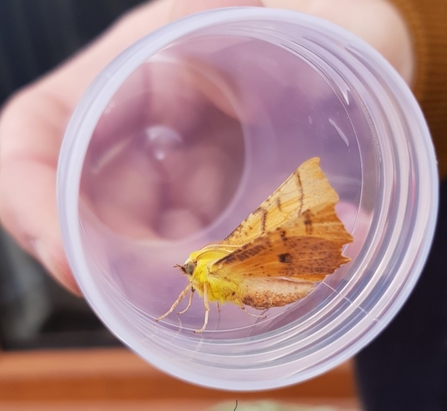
(31, 130)
(376, 21)
(69, 82)
(28, 181)
(184, 8)
(37, 232)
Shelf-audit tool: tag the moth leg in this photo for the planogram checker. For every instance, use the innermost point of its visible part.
(176, 302)
(191, 294)
(218, 307)
(250, 314)
(207, 309)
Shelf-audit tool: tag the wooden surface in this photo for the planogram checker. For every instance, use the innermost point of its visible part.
(114, 379)
(165, 405)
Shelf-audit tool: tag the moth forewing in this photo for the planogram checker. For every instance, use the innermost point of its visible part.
(282, 254)
(306, 188)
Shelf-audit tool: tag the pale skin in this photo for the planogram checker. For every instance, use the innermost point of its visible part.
(33, 121)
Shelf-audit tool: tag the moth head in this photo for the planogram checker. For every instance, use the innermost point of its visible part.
(187, 268)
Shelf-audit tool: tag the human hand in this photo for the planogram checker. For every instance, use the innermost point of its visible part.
(33, 122)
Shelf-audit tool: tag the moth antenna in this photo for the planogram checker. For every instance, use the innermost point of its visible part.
(191, 294)
(207, 309)
(182, 267)
(176, 302)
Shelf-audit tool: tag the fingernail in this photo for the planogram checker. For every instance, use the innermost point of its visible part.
(55, 262)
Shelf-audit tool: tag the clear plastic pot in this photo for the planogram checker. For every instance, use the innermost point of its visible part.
(187, 132)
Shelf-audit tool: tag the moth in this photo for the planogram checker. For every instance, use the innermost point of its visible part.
(275, 257)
